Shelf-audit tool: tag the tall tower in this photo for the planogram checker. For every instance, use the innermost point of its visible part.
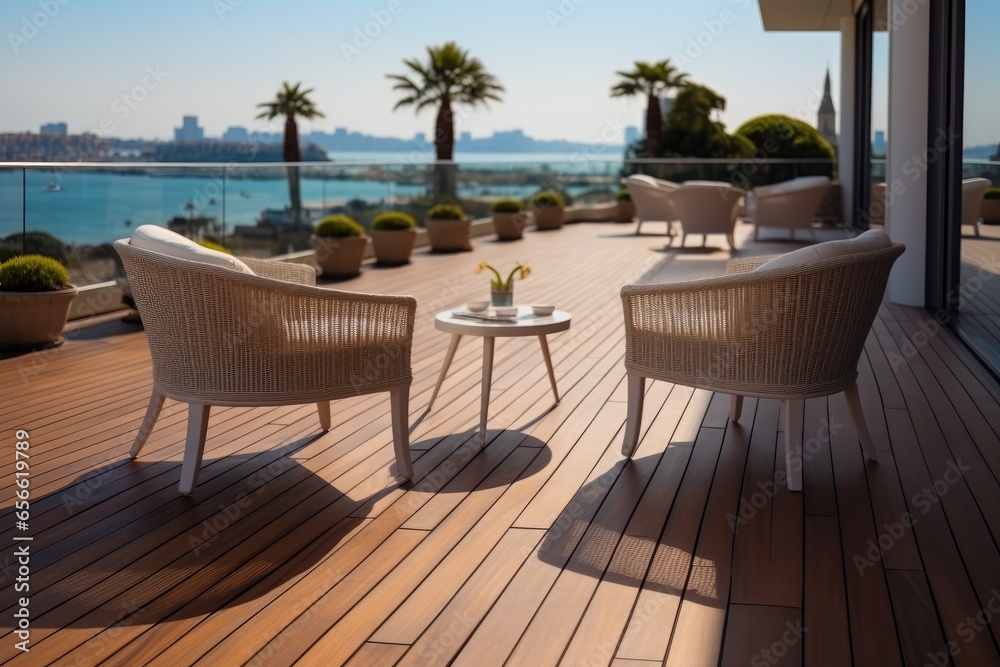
(826, 119)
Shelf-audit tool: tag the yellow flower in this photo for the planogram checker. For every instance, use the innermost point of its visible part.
(498, 283)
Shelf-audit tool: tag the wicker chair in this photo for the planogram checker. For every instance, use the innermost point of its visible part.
(973, 191)
(791, 333)
(221, 337)
(789, 205)
(707, 207)
(651, 197)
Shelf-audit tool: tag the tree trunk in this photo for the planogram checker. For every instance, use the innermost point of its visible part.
(444, 186)
(654, 126)
(292, 153)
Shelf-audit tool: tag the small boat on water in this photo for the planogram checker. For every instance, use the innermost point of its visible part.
(53, 187)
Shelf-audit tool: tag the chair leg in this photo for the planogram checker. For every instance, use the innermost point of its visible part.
(812, 234)
(638, 228)
(756, 232)
(194, 448)
(704, 240)
(735, 407)
(793, 443)
(633, 420)
(152, 414)
(400, 408)
(858, 417)
(323, 408)
(684, 238)
(731, 240)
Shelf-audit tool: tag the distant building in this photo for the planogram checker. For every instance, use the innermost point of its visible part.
(465, 137)
(996, 157)
(420, 138)
(826, 119)
(189, 130)
(879, 146)
(631, 135)
(54, 130)
(234, 133)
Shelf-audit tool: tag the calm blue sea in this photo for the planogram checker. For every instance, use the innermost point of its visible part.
(99, 207)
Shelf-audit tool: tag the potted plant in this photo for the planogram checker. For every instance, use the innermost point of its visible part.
(393, 235)
(626, 209)
(989, 209)
(509, 219)
(502, 290)
(35, 295)
(548, 210)
(448, 229)
(339, 242)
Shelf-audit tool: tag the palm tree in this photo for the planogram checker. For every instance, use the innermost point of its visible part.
(652, 80)
(291, 102)
(448, 77)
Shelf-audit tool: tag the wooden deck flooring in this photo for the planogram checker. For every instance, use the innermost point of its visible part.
(542, 548)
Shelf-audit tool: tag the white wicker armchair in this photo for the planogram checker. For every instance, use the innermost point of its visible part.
(790, 333)
(221, 337)
(707, 207)
(973, 191)
(651, 197)
(789, 205)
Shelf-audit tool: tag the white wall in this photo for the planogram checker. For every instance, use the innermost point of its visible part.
(906, 173)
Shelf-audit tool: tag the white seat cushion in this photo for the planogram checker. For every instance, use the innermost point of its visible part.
(160, 239)
(873, 239)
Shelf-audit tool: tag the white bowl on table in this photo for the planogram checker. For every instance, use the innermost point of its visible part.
(542, 309)
(477, 306)
(506, 311)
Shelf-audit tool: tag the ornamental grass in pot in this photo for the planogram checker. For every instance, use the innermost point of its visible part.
(509, 219)
(339, 242)
(448, 229)
(548, 207)
(625, 208)
(35, 296)
(393, 236)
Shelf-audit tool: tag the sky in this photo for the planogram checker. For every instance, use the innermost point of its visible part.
(134, 68)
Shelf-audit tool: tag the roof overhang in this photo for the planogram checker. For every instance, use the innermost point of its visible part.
(814, 15)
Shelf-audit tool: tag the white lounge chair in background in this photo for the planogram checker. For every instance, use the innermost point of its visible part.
(788, 205)
(651, 197)
(707, 207)
(973, 190)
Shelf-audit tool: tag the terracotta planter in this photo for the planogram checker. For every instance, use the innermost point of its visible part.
(510, 226)
(339, 257)
(549, 217)
(625, 212)
(449, 235)
(33, 319)
(393, 247)
(989, 211)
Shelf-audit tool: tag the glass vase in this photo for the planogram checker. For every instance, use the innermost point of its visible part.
(501, 297)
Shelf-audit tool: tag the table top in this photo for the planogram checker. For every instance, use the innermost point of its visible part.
(526, 324)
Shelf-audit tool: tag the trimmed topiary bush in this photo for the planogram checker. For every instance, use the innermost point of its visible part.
(33, 273)
(393, 221)
(446, 212)
(781, 136)
(623, 195)
(546, 199)
(218, 247)
(992, 193)
(507, 206)
(339, 226)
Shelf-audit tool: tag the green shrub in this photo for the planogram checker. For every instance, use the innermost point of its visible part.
(339, 226)
(212, 245)
(34, 243)
(992, 193)
(393, 221)
(547, 198)
(507, 206)
(623, 195)
(32, 273)
(446, 212)
(780, 136)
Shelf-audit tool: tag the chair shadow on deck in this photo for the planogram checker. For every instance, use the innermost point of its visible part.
(588, 538)
(142, 553)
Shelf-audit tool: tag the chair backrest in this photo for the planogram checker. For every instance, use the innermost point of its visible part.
(707, 208)
(791, 203)
(651, 197)
(973, 190)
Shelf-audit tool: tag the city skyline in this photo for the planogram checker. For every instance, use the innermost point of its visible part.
(138, 69)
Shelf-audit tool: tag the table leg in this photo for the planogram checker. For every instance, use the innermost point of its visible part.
(548, 365)
(444, 369)
(484, 405)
